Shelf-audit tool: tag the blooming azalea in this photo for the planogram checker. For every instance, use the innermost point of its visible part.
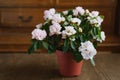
(57, 18)
(55, 29)
(102, 37)
(78, 10)
(87, 50)
(69, 30)
(94, 14)
(39, 34)
(73, 30)
(48, 14)
(76, 20)
(65, 12)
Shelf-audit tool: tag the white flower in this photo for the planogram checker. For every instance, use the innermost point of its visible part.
(102, 37)
(48, 14)
(87, 11)
(38, 26)
(96, 21)
(93, 21)
(64, 36)
(52, 11)
(75, 12)
(99, 20)
(39, 34)
(65, 12)
(94, 14)
(62, 19)
(69, 30)
(55, 28)
(78, 10)
(76, 20)
(88, 18)
(57, 18)
(87, 50)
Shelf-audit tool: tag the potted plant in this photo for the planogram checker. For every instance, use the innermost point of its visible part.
(72, 34)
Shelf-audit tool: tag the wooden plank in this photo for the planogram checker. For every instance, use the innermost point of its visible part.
(45, 67)
(109, 66)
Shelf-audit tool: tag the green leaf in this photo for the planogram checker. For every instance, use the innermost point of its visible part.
(66, 45)
(30, 50)
(92, 62)
(99, 34)
(89, 36)
(65, 23)
(82, 38)
(39, 45)
(95, 44)
(81, 17)
(102, 16)
(70, 12)
(33, 47)
(77, 56)
(95, 31)
(51, 49)
(69, 18)
(46, 26)
(45, 44)
(72, 45)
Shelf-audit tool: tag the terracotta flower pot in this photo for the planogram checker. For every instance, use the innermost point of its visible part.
(67, 66)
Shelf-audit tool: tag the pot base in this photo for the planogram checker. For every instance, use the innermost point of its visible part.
(67, 66)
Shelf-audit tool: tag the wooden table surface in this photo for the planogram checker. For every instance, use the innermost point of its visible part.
(44, 67)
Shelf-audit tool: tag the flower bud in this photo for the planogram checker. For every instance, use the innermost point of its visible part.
(80, 29)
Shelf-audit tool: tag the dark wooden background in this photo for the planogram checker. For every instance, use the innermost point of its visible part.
(19, 17)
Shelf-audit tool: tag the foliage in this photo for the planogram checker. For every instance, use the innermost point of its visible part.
(67, 30)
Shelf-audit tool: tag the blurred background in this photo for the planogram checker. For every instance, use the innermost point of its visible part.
(19, 17)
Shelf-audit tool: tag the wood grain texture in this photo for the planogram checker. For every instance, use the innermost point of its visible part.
(11, 17)
(86, 3)
(45, 67)
(15, 32)
(25, 3)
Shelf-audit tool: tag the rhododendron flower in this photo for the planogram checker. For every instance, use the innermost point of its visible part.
(87, 11)
(78, 10)
(69, 30)
(93, 21)
(55, 28)
(65, 12)
(99, 20)
(94, 14)
(76, 20)
(57, 18)
(102, 37)
(96, 20)
(39, 34)
(64, 36)
(48, 14)
(87, 50)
